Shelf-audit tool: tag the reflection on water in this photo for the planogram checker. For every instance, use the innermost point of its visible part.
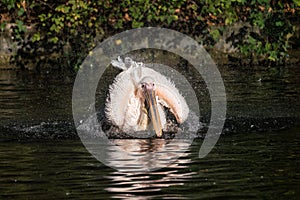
(134, 182)
(145, 155)
(131, 155)
(241, 166)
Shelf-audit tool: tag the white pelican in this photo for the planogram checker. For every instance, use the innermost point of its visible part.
(139, 90)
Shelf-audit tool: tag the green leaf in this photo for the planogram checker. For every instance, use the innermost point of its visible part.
(215, 34)
(279, 23)
(20, 12)
(297, 2)
(21, 26)
(54, 39)
(42, 17)
(36, 37)
(136, 24)
(2, 26)
(169, 19)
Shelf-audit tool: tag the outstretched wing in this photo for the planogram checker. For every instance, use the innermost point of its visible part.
(123, 105)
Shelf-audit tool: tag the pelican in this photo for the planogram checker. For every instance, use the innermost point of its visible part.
(138, 96)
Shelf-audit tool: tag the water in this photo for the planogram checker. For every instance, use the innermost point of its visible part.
(41, 156)
(241, 166)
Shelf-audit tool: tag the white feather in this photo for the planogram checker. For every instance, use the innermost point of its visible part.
(123, 107)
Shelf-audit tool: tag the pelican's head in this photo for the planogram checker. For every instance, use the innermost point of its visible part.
(148, 87)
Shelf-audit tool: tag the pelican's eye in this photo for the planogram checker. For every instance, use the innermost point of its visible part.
(143, 86)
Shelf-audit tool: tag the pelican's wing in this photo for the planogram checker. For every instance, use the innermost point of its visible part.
(168, 95)
(123, 106)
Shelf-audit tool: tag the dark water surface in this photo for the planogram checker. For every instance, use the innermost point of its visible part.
(241, 166)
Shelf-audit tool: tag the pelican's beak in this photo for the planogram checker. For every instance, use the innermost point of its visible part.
(150, 97)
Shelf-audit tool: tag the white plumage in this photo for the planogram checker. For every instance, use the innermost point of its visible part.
(130, 98)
